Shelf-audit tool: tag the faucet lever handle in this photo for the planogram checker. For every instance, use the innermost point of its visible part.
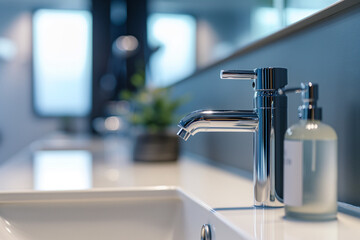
(270, 78)
(238, 74)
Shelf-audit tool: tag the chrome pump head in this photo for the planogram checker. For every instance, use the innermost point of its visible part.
(309, 96)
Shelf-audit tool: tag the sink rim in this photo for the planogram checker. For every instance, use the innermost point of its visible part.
(115, 194)
(94, 194)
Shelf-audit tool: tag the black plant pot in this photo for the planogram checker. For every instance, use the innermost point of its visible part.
(156, 147)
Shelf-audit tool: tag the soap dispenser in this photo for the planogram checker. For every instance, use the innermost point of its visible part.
(310, 163)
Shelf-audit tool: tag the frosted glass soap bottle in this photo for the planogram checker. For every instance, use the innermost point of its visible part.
(310, 163)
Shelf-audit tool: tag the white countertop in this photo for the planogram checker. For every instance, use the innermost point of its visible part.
(228, 191)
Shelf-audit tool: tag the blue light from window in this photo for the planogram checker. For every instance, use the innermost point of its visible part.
(62, 62)
(176, 58)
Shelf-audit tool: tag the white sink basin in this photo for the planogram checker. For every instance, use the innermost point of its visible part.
(133, 214)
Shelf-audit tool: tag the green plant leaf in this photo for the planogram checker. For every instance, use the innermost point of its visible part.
(152, 107)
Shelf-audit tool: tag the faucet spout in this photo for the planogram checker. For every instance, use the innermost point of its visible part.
(183, 134)
(217, 121)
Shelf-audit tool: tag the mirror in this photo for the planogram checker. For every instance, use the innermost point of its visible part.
(222, 28)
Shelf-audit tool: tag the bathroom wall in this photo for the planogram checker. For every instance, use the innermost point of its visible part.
(327, 53)
(18, 124)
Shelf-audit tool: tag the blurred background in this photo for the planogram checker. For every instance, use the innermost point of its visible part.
(63, 63)
(73, 65)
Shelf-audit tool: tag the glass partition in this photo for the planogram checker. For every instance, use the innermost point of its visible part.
(226, 26)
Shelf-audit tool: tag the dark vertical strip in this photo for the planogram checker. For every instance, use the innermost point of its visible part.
(101, 51)
(136, 26)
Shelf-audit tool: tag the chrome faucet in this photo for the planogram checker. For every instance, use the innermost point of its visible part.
(268, 121)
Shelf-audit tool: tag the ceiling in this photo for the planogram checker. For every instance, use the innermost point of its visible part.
(32, 4)
(154, 5)
(199, 6)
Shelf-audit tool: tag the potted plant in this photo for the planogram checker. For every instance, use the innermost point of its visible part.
(153, 111)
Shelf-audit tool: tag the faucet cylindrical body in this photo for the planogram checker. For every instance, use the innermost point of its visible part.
(268, 148)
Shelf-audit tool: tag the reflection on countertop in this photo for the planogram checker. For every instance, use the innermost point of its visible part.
(62, 162)
(62, 169)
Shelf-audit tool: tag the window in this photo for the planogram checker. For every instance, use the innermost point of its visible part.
(62, 60)
(175, 34)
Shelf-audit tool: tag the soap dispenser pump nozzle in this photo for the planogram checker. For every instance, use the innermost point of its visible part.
(310, 95)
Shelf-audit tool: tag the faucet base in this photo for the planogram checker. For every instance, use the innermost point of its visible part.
(269, 204)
